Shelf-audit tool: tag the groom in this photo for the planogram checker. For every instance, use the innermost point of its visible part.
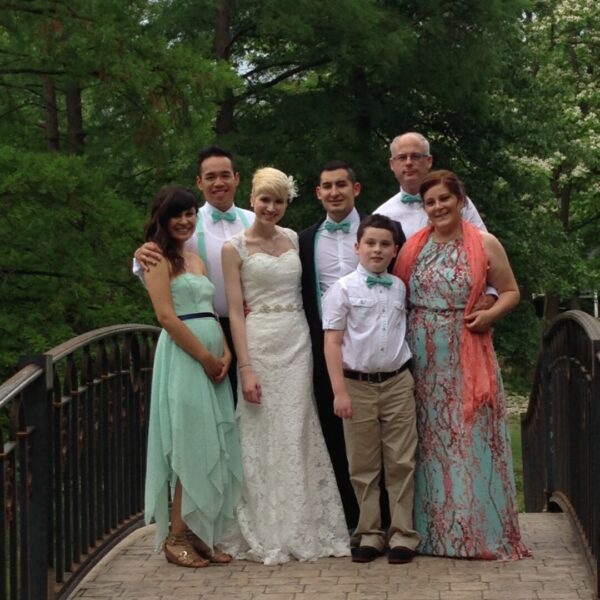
(327, 253)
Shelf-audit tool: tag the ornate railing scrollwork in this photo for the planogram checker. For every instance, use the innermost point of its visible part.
(561, 429)
(73, 426)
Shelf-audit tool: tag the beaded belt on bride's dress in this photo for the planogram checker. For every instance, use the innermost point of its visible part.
(265, 308)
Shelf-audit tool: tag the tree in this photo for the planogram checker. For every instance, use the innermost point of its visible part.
(99, 110)
(561, 151)
(109, 101)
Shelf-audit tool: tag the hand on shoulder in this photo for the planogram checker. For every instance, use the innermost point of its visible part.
(148, 255)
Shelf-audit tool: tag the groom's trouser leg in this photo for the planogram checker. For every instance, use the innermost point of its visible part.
(363, 446)
(333, 432)
(233, 368)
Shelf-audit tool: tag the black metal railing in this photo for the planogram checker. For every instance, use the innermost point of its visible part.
(561, 429)
(73, 426)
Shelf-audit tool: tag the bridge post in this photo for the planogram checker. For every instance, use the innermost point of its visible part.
(38, 416)
(595, 442)
(548, 412)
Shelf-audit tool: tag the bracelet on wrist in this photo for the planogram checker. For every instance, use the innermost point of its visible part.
(246, 365)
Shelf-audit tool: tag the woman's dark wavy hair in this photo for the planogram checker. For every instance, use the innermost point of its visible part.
(168, 203)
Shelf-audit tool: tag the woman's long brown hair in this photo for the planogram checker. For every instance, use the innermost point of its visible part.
(168, 203)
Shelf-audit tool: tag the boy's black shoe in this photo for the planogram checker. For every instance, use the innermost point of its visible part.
(364, 554)
(400, 555)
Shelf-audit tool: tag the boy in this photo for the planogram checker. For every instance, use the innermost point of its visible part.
(367, 358)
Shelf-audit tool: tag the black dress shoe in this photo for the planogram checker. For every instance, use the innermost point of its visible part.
(364, 554)
(398, 555)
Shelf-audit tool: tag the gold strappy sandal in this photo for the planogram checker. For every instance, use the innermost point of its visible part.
(216, 556)
(182, 553)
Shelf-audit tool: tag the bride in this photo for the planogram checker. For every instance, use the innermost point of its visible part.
(291, 506)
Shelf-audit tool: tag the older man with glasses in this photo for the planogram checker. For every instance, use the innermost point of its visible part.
(410, 161)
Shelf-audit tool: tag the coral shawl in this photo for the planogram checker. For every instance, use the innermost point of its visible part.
(477, 359)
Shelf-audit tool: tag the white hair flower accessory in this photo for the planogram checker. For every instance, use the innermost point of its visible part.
(292, 188)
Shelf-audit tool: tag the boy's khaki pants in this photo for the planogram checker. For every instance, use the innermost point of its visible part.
(383, 429)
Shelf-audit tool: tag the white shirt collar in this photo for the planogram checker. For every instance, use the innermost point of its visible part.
(207, 208)
(352, 218)
(360, 269)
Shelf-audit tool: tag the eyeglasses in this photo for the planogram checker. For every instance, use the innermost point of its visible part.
(414, 157)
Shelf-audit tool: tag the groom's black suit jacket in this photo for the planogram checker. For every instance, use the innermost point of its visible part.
(331, 425)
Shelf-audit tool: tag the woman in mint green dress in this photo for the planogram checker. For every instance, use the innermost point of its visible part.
(193, 444)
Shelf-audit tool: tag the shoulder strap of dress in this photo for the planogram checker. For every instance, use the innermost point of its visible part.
(292, 235)
(238, 241)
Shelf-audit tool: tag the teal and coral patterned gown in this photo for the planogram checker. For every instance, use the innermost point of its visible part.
(465, 502)
(192, 434)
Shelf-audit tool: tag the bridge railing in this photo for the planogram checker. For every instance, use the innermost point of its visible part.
(73, 426)
(561, 429)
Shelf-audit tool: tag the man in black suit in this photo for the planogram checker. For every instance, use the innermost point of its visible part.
(327, 253)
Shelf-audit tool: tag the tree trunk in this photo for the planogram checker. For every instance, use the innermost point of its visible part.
(222, 32)
(75, 121)
(551, 305)
(361, 101)
(574, 302)
(50, 114)
(225, 122)
(565, 203)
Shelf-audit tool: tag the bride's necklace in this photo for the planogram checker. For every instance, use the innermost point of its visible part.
(273, 249)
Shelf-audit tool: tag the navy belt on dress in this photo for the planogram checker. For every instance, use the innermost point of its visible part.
(202, 315)
(375, 377)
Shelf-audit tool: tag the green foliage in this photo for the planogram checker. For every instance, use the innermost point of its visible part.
(553, 102)
(67, 240)
(72, 214)
(517, 341)
(507, 91)
(514, 425)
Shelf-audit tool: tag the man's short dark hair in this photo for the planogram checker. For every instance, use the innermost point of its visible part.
(334, 165)
(379, 222)
(214, 151)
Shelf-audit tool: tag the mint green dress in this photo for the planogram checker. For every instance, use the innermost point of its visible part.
(192, 433)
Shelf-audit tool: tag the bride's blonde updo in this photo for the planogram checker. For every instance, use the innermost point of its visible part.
(269, 180)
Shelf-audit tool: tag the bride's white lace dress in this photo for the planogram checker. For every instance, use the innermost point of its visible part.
(290, 505)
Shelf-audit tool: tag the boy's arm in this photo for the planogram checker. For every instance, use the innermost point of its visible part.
(342, 403)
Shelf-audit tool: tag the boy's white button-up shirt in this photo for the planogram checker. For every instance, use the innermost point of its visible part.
(373, 320)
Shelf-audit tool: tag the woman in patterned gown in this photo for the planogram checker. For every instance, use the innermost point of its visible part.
(193, 444)
(465, 501)
(290, 506)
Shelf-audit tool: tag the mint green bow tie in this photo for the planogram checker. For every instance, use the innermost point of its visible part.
(217, 215)
(410, 198)
(385, 280)
(331, 226)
